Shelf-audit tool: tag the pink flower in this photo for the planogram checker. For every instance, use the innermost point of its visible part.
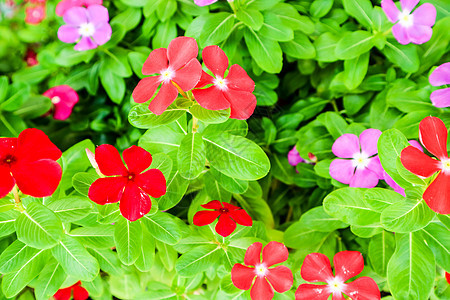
(88, 27)
(441, 76)
(64, 99)
(411, 27)
(204, 2)
(65, 5)
(294, 157)
(364, 168)
(31, 58)
(35, 14)
(347, 264)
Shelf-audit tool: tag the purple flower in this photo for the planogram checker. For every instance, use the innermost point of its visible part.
(294, 157)
(363, 169)
(441, 76)
(411, 27)
(88, 27)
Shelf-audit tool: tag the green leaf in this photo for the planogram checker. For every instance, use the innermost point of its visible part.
(114, 85)
(68, 57)
(176, 188)
(108, 261)
(4, 82)
(162, 162)
(129, 18)
(71, 208)
(166, 9)
(191, 156)
(50, 280)
(320, 8)
(291, 18)
(231, 184)
(378, 199)
(6, 205)
(34, 106)
(7, 220)
(128, 238)
(163, 227)
(381, 248)
(15, 256)
(300, 47)
(266, 52)
(217, 27)
(353, 44)
(39, 227)
(404, 56)
(299, 234)
(407, 216)
(325, 46)
(197, 260)
(411, 270)
(75, 259)
(334, 123)
(273, 28)
(147, 255)
(141, 117)
(355, 70)
(82, 182)
(164, 139)
(209, 116)
(438, 240)
(236, 156)
(361, 10)
(98, 237)
(317, 219)
(250, 17)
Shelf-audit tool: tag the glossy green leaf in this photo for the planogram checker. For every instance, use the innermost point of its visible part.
(163, 227)
(353, 44)
(128, 239)
(141, 117)
(191, 156)
(197, 260)
(381, 248)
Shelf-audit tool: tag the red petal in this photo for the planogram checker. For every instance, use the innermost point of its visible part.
(312, 291)
(188, 77)
(135, 203)
(261, 290)
(107, 190)
(242, 104)
(205, 79)
(348, 264)
(253, 254)
(225, 226)
(433, 135)
(8, 146)
(33, 144)
(63, 294)
(437, 195)
(205, 217)
(242, 276)
(363, 288)
(447, 277)
(156, 62)
(241, 217)
(137, 159)
(215, 60)
(418, 162)
(214, 204)
(80, 293)
(39, 178)
(238, 79)
(230, 207)
(211, 98)
(146, 89)
(7, 181)
(181, 50)
(316, 267)
(280, 278)
(166, 95)
(274, 253)
(109, 161)
(152, 182)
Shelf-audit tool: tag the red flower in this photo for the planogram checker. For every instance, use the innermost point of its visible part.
(64, 99)
(178, 68)
(79, 292)
(31, 58)
(279, 278)
(447, 276)
(131, 186)
(35, 14)
(228, 216)
(433, 135)
(347, 264)
(30, 162)
(234, 90)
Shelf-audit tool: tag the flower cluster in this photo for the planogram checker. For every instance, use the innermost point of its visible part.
(35, 11)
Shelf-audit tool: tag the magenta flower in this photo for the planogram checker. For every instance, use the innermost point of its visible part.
(88, 27)
(65, 5)
(294, 157)
(410, 27)
(64, 99)
(204, 2)
(441, 76)
(363, 169)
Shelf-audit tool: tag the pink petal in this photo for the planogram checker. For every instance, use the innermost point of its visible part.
(180, 51)
(348, 264)
(102, 34)
(342, 170)
(440, 75)
(420, 34)
(418, 162)
(76, 16)
(393, 184)
(63, 6)
(211, 98)
(312, 291)
(109, 161)
(166, 95)
(134, 203)
(146, 89)
(97, 14)
(68, 34)
(205, 217)
(391, 10)
(253, 254)
(243, 104)
(363, 288)
(316, 268)
(441, 98)
(415, 144)
(437, 194)
(205, 79)
(156, 62)
(375, 166)
(152, 182)
(274, 253)
(107, 190)
(261, 289)
(188, 76)
(408, 5)
(137, 159)
(204, 2)
(237, 79)
(62, 110)
(225, 226)
(6, 179)
(242, 276)
(425, 15)
(433, 135)
(85, 43)
(294, 157)
(346, 146)
(400, 34)
(364, 178)
(280, 278)
(215, 60)
(368, 140)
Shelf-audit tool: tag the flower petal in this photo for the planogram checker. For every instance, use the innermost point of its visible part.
(363, 288)
(368, 140)
(137, 159)
(211, 98)
(205, 79)
(75, 16)
(225, 226)
(375, 166)
(80, 293)
(391, 10)
(204, 2)
(348, 264)
(214, 204)
(7, 181)
(253, 254)
(261, 289)
(230, 207)
(107, 190)
(241, 217)
(400, 33)
(364, 178)
(316, 268)
(393, 184)
(418, 162)
(102, 34)
(152, 182)
(342, 170)
(8, 146)
(135, 203)
(188, 76)
(441, 98)
(109, 161)
(38, 178)
(242, 104)
(63, 294)
(294, 157)
(425, 15)
(166, 95)
(156, 62)
(215, 60)
(420, 34)
(68, 34)
(440, 75)
(33, 144)
(205, 217)
(274, 253)
(181, 50)
(146, 89)
(242, 276)
(312, 291)
(408, 5)
(346, 146)
(84, 44)
(433, 135)
(280, 278)
(238, 79)
(437, 194)
(97, 14)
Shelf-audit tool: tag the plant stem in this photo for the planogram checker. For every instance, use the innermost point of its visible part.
(180, 91)
(333, 102)
(289, 214)
(16, 194)
(194, 124)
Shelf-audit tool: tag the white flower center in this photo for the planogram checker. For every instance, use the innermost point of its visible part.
(86, 29)
(335, 285)
(56, 100)
(221, 83)
(445, 166)
(167, 75)
(261, 270)
(360, 160)
(406, 19)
